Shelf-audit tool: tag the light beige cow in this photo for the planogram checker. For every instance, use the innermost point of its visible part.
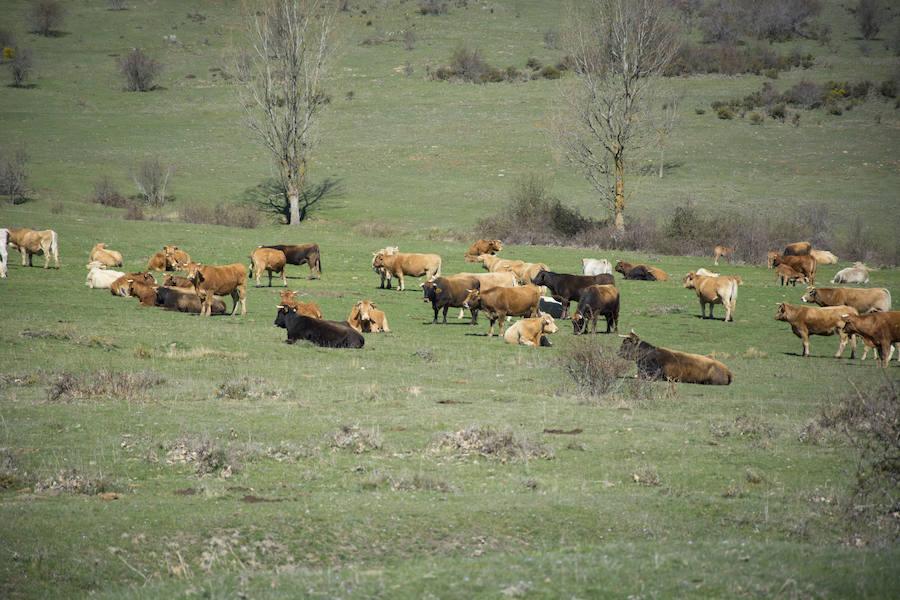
(30, 242)
(401, 264)
(529, 332)
(714, 290)
(109, 258)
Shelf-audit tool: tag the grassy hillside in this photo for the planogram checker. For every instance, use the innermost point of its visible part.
(667, 490)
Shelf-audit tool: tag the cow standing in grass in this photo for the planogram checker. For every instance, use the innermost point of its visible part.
(30, 242)
(499, 303)
(565, 287)
(401, 264)
(4, 241)
(812, 320)
(381, 271)
(723, 252)
(219, 280)
(864, 300)
(302, 254)
(671, 365)
(881, 330)
(803, 263)
(270, 261)
(714, 290)
(597, 301)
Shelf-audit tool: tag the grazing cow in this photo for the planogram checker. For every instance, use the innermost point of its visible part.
(641, 272)
(882, 330)
(366, 317)
(415, 265)
(99, 277)
(385, 275)
(30, 242)
(714, 290)
(500, 303)
(176, 259)
(858, 273)
(4, 241)
(671, 365)
(808, 320)
(595, 266)
(219, 280)
(805, 264)
(119, 287)
(146, 294)
(482, 247)
(786, 275)
(109, 258)
(526, 272)
(705, 272)
(186, 301)
(330, 334)
(824, 257)
(307, 309)
(270, 261)
(531, 332)
(157, 262)
(177, 281)
(864, 300)
(723, 251)
(597, 301)
(797, 249)
(565, 287)
(302, 254)
(450, 292)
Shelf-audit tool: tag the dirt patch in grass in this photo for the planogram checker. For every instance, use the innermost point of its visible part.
(407, 483)
(175, 351)
(575, 431)
(208, 456)
(68, 334)
(646, 475)
(356, 439)
(248, 388)
(502, 445)
(103, 384)
(12, 475)
(744, 426)
(660, 310)
(36, 377)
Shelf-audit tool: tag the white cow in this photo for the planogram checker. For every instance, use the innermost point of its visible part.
(99, 277)
(595, 266)
(703, 272)
(4, 240)
(858, 273)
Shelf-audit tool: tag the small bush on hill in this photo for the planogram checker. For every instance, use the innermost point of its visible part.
(432, 7)
(14, 174)
(21, 64)
(868, 18)
(228, 215)
(728, 59)
(140, 71)
(116, 5)
(106, 194)
(888, 88)
(151, 177)
(45, 17)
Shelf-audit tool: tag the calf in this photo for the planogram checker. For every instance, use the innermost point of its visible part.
(186, 301)
(712, 291)
(806, 321)
(482, 247)
(110, 258)
(385, 275)
(797, 249)
(531, 332)
(671, 365)
(302, 254)
(880, 329)
(329, 334)
(219, 280)
(595, 266)
(805, 264)
(146, 294)
(176, 259)
(500, 303)
(858, 273)
(99, 277)
(307, 309)
(449, 292)
(365, 316)
(270, 261)
(597, 301)
(641, 272)
(415, 265)
(771, 255)
(565, 287)
(864, 300)
(179, 282)
(119, 287)
(824, 257)
(786, 275)
(723, 251)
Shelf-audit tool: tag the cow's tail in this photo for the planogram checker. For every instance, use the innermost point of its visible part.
(438, 272)
(319, 261)
(889, 303)
(54, 246)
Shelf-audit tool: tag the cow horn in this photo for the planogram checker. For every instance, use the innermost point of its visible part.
(622, 336)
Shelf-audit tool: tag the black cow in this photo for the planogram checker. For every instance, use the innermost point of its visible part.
(186, 301)
(638, 272)
(302, 254)
(597, 301)
(449, 292)
(565, 287)
(330, 334)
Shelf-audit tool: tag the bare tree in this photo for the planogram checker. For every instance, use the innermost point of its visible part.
(46, 16)
(868, 17)
(663, 123)
(619, 48)
(152, 178)
(139, 70)
(20, 66)
(282, 75)
(14, 174)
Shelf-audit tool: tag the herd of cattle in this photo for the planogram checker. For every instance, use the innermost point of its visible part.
(507, 288)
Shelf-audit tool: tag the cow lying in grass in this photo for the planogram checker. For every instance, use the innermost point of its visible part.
(178, 281)
(858, 273)
(531, 332)
(714, 290)
(307, 309)
(812, 320)
(146, 294)
(824, 257)
(641, 272)
(101, 254)
(366, 317)
(329, 334)
(482, 247)
(186, 301)
(119, 287)
(882, 330)
(672, 365)
(99, 277)
(597, 301)
(595, 266)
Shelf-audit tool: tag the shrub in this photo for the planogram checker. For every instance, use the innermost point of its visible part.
(130, 386)
(550, 72)
(502, 445)
(533, 64)
(106, 194)
(700, 110)
(725, 112)
(14, 174)
(135, 212)
(778, 112)
(152, 178)
(756, 118)
(139, 71)
(409, 39)
(728, 59)
(116, 5)
(888, 88)
(45, 17)
(595, 371)
(805, 93)
(20, 66)
(868, 18)
(468, 64)
(432, 7)
(228, 215)
(551, 39)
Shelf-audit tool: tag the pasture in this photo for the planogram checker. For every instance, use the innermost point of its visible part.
(149, 454)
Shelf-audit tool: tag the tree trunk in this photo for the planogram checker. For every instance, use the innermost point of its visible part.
(294, 199)
(661, 155)
(620, 194)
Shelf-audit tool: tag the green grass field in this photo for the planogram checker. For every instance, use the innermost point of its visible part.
(738, 505)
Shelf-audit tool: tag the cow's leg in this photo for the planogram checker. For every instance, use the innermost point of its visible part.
(284, 276)
(242, 292)
(446, 308)
(474, 312)
(460, 316)
(805, 337)
(491, 330)
(503, 319)
(887, 351)
(401, 285)
(45, 246)
(842, 345)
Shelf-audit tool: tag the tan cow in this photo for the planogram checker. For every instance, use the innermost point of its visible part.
(824, 257)
(270, 261)
(482, 247)
(157, 262)
(110, 258)
(530, 332)
(415, 265)
(385, 276)
(177, 281)
(119, 287)
(366, 317)
(30, 242)
(219, 280)
(307, 309)
(805, 264)
(786, 275)
(771, 255)
(810, 320)
(882, 330)
(176, 259)
(526, 272)
(864, 300)
(798, 249)
(495, 264)
(499, 303)
(723, 251)
(714, 290)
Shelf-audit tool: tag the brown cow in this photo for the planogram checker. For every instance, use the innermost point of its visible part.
(105, 256)
(671, 365)
(414, 265)
(864, 300)
(786, 275)
(177, 281)
(499, 303)
(30, 242)
(307, 309)
(805, 264)
(771, 255)
(723, 251)
(531, 332)
(882, 330)
(385, 275)
(714, 290)
(176, 259)
(597, 301)
(366, 317)
(146, 294)
(186, 301)
(119, 287)
(270, 261)
(302, 254)
(482, 247)
(526, 272)
(807, 320)
(226, 279)
(157, 262)
(797, 249)
(641, 272)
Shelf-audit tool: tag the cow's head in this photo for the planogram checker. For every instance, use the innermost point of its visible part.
(281, 316)
(782, 313)
(620, 267)
(851, 324)
(540, 278)
(378, 260)
(473, 299)
(548, 325)
(630, 347)
(579, 323)
(775, 259)
(99, 246)
(288, 297)
(811, 295)
(194, 272)
(364, 310)
(690, 280)
(482, 257)
(430, 290)
(494, 246)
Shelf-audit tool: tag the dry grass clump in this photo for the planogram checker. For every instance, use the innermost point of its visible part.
(661, 310)
(502, 445)
(23, 379)
(599, 374)
(358, 440)
(418, 482)
(103, 384)
(70, 481)
(11, 474)
(208, 456)
(376, 229)
(67, 334)
(743, 426)
(646, 475)
(248, 388)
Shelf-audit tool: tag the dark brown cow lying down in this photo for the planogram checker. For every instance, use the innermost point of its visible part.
(671, 365)
(186, 301)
